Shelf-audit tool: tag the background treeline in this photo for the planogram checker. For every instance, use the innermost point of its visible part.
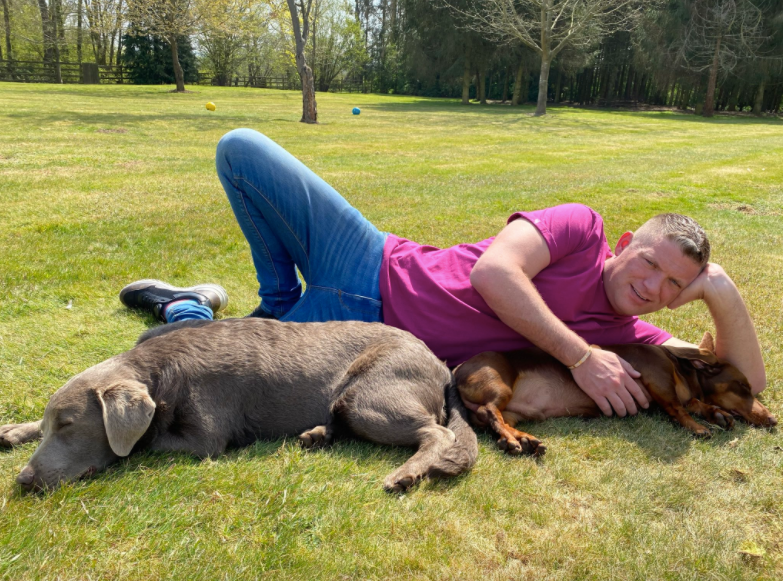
(678, 53)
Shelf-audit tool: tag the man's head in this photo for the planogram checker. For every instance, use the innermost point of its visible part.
(653, 265)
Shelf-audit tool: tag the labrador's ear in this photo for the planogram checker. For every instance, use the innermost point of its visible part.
(707, 342)
(127, 413)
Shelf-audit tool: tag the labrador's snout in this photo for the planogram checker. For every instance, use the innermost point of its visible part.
(26, 478)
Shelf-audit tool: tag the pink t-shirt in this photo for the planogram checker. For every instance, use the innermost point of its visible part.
(427, 290)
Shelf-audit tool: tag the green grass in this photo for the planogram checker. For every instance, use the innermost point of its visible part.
(103, 185)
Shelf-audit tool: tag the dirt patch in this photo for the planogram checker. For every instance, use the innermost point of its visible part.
(112, 131)
(746, 209)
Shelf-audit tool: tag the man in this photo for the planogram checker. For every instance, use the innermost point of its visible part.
(548, 278)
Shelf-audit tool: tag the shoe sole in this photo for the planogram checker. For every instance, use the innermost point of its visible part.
(215, 288)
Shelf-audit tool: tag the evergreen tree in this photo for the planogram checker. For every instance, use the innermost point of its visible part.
(147, 60)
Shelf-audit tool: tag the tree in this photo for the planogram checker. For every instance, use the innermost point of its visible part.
(7, 27)
(547, 26)
(719, 35)
(104, 19)
(169, 20)
(301, 35)
(338, 39)
(147, 60)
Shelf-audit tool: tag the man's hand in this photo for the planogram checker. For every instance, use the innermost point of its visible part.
(712, 281)
(609, 381)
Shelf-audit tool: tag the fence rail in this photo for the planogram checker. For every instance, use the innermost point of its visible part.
(41, 72)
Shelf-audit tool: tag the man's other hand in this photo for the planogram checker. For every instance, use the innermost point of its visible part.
(609, 381)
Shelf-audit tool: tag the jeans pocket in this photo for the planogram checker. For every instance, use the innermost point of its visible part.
(361, 308)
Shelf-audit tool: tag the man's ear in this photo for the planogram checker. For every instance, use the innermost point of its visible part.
(623, 243)
(127, 413)
(707, 342)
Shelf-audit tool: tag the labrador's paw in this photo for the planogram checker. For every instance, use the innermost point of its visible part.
(317, 437)
(16, 434)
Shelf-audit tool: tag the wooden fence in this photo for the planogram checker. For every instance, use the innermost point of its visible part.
(40, 72)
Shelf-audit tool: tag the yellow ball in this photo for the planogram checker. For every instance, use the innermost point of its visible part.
(210, 106)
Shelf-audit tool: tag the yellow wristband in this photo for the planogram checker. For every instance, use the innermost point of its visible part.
(583, 359)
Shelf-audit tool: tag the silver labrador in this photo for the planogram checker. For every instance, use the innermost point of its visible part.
(203, 386)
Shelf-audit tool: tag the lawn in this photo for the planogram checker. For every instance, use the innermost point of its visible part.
(103, 185)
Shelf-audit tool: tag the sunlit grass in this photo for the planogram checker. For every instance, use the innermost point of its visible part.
(103, 185)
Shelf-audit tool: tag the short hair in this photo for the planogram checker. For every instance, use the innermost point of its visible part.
(685, 232)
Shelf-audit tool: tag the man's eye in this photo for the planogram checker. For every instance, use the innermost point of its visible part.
(675, 283)
(648, 261)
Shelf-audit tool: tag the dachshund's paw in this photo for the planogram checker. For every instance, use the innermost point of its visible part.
(522, 444)
(16, 434)
(702, 432)
(510, 445)
(318, 437)
(722, 418)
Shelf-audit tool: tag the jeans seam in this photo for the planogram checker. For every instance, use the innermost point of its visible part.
(261, 238)
(339, 292)
(271, 205)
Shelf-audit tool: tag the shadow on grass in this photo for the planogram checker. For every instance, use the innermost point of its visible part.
(654, 433)
(525, 112)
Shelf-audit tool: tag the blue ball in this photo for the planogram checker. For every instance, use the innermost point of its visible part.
(356, 110)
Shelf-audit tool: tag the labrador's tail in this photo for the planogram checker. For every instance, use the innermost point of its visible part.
(461, 455)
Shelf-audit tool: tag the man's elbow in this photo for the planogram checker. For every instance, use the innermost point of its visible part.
(483, 277)
(758, 384)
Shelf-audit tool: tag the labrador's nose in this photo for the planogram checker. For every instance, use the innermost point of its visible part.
(26, 477)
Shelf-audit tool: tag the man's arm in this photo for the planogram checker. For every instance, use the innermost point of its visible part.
(735, 337)
(503, 275)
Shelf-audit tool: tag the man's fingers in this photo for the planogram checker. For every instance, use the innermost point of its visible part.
(628, 368)
(628, 402)
(637, 393)
(617, 404)
(605, 406)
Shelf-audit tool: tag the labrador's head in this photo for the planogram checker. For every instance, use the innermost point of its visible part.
(90, 422)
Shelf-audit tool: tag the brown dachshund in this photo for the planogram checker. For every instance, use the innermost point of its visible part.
(505, 388)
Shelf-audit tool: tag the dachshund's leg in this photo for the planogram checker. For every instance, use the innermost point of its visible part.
(17, 434)
(511, 440)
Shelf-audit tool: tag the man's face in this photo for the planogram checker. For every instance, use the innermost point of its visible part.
(646, 276)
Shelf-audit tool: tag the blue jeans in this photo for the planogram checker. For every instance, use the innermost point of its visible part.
(293, 219)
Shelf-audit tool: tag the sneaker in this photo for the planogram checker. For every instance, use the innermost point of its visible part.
(153, 295)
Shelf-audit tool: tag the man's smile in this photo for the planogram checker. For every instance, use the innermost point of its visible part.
(636, 292)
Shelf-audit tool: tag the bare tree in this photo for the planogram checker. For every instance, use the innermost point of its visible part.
(719, 35)
(301, 34)
(104, 18)
(546, 26)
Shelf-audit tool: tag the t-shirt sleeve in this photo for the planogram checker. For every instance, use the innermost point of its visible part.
(645, 332)
(567, 229)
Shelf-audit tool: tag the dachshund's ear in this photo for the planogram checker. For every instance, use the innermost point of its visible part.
(707, 364)
(707, 342)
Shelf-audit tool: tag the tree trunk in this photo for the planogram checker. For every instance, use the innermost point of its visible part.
(79, 13)
(543, 85)
(482, 85)
(504, 96)
(518, 83)
(466, 76)
(178, 74)
(46, 24)
(7, 22)
(758, 103)
(558, 85)
(309, 108)
(709, 101)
